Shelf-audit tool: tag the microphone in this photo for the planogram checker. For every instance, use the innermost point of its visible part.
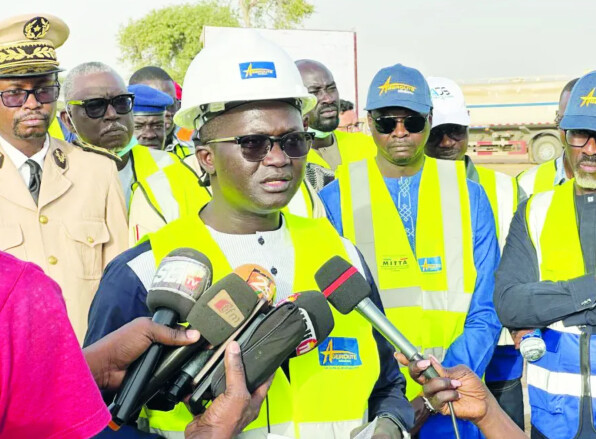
(261, 281)
(348, 290)
(218, 313)
(294, 327)
(180, 279)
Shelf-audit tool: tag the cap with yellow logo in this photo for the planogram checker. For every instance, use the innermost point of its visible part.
(28, 44)
(580, 113)
(399, 86)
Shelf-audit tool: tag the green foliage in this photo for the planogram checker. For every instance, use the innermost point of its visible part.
(278, 14)
(170, 37)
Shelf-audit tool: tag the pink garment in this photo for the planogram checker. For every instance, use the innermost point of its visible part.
(46, 388)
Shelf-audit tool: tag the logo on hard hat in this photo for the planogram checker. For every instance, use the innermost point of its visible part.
(400, 87)
(589, 99)
(257, 69)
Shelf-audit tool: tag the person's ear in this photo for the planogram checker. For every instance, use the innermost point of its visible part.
(430, 118)
(66, 120)
(205, 158)
(305, 122)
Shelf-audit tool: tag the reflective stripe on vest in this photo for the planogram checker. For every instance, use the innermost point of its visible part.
(431, 290)
(540, 178)
(352, 147)
(502, 195)
(148, 161)
(318, 397)
(555, 381)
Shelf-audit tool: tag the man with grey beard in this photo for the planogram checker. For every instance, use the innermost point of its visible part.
(546, 280)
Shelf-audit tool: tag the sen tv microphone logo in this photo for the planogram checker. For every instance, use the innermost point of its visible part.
(224, 306)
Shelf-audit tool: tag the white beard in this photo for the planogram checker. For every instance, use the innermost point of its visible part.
(585, 181)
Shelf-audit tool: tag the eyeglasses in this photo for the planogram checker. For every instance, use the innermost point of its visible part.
(97, 107)
(255, 147)
(453, 131)
(387, 124)
(17, 97)
(352, 127)
(579, 138)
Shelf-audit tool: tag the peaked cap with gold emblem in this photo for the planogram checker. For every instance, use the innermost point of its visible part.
(28, 44)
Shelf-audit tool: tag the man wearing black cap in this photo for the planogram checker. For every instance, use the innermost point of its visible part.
(61, 207)
(426, 232)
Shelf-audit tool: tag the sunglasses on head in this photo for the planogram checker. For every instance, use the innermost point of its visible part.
(387, 124)
(97, 107)
(17, 97)
(255, 147)
(453, 131)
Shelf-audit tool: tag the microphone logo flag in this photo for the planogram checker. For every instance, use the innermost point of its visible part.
(224, 306)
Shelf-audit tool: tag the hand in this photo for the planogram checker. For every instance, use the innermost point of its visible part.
(385, 429)
(458, 385)
(517, 335)
(233, 410)
(109, 357)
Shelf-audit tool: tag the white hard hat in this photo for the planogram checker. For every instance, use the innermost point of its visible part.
(449, 105)
(241, 69)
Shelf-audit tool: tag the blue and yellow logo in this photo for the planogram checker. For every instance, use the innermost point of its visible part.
(430, 265)
(257, 69)
(398, 86)
(339, 352)
(589, 99)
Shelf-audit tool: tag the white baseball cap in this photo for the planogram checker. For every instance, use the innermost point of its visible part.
(449, 105)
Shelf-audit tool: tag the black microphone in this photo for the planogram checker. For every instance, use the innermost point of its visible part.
(294, 327)
(217, 314)
(348, 290)
(179, 281)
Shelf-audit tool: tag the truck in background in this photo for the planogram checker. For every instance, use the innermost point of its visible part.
(513, 120)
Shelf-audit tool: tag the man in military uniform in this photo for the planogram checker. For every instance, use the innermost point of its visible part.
(62, 208)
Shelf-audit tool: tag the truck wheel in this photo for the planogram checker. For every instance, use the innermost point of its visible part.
(545, 148)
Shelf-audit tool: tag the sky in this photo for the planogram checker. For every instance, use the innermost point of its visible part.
(466, 40)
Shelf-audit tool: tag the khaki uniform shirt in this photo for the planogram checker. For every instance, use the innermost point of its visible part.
(78, 226)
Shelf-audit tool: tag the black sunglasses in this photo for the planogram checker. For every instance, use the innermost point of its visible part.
(453, 131)
(17, 97)
(255, 147)
(579, 138)
(387, 124)
(97, 107)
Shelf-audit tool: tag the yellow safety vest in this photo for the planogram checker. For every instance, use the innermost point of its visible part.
(539, 178)
(427, 294)
(501, 190)
(182, 151)
(147, 161)
(319, 401)
(352, 148)
(55, 130)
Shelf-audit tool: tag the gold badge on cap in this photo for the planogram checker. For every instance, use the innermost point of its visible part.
(36, 28)
(60, 158)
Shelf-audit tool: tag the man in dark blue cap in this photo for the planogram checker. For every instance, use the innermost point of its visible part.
(426, 232)
(546, 280)
(149, 111)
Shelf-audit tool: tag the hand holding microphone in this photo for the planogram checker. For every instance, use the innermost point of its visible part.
(180, 279)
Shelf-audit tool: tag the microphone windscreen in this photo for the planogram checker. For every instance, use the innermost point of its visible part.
(179, 280)
(266, 349)
(342, 284)
(221, 309)
(317, 316)
(259, 279)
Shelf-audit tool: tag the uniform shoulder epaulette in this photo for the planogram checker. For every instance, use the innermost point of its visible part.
(98, 150)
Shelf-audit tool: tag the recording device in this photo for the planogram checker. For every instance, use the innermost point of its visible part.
(293, 328)
(180, 279)
(219, 312)
(261, 281)
(347, 290)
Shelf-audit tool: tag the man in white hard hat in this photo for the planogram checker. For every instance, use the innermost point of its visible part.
(448, 140)
(246, 98)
